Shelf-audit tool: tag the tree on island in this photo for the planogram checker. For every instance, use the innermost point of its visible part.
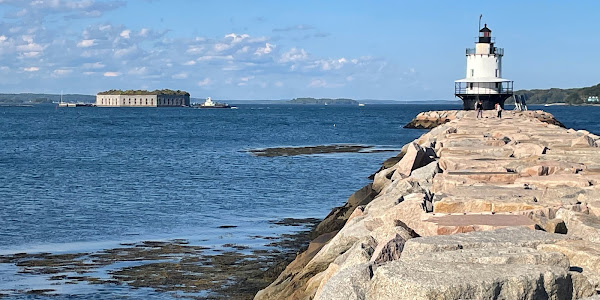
(146, 92)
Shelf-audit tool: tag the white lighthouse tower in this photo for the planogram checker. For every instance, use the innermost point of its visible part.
(484, 75)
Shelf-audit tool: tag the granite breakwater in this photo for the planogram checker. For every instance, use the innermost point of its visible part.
(473, 209)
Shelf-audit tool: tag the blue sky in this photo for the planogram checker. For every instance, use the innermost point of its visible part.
(403, 50)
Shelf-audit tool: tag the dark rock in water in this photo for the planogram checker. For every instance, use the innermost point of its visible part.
(291, 151)
(296, 222)
(227, 226)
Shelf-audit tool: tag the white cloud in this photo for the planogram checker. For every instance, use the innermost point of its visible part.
(243, 49)
(349, 78)
(180, 76)
(195, 49)
(96, 65)
(215, 57)
(31, 69)
(316, 83)
(30, 47)
(222, 47)
(189, 63)
(144, 32)
(205, 82)
(246, 79)
(32, 54)
(61, 72)
(321, 83)
(236, 38)
(138, 71)
(86, 43)
(125, 33)
(268, 48)
(126, 51)
(112, 74)
(293, 55)
(27, 38)
(3, 38)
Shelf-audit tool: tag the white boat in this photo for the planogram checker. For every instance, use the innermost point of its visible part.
(361, 104)
(212, 104)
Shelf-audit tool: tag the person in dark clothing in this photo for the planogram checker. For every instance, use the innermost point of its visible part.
(479, 108)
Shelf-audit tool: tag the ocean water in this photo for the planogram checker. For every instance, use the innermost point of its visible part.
(81, 179)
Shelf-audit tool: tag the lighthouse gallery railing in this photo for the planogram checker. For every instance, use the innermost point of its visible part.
(463, 88)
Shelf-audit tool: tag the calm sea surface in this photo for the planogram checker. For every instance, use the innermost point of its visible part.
(78, 179)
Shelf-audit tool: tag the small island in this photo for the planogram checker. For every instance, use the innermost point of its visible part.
(323, 101)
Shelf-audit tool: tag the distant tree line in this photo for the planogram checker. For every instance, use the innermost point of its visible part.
(145, 92)
(555, 95)
(29, 98)
(322, 101)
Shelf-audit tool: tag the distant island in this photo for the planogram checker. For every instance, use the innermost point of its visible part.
(555, 95)
(323, 101)
(29, 98)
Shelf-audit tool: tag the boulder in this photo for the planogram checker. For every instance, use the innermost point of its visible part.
(584, 256)
(411, 160)
(580, 225)
(500, 238)
(496, 256)
(338, 216)
(528, 149)
(389, 250)
(451, 224)
(556, 180)
(348, 284)
(583, 141)
(383, 178)
(425, 279)
(284, 287)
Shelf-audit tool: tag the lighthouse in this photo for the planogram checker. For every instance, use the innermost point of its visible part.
(484, 75)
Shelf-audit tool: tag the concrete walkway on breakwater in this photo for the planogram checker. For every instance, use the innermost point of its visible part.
(474, 209)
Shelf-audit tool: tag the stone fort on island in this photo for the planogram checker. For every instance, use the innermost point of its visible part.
(142, 98)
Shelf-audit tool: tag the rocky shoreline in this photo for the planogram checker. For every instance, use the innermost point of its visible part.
(474, 209)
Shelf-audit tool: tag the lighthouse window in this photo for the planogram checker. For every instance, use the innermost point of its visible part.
(471, 85)
(497, 73)
(472, 72)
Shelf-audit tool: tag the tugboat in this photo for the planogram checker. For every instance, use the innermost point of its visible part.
(210, 104)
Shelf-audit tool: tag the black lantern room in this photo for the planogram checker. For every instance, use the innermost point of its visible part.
(485, 35)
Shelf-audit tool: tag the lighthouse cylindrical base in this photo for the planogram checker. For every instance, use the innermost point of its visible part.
(489, 101)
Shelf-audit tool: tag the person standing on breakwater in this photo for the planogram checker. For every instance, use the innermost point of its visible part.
(499, 110)
(479, 109)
